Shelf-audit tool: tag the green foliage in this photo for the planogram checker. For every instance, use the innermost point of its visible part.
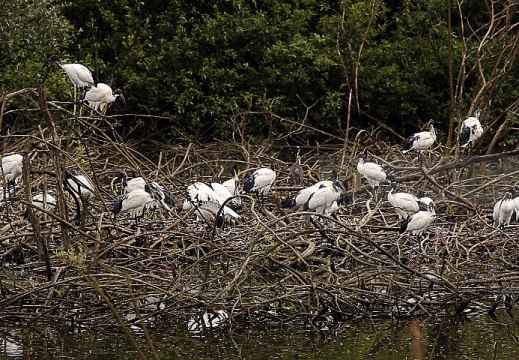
(204, 65)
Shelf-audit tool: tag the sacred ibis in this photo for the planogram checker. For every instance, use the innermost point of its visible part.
(324, 198)
(224, 194)
(503, 209)
(421, 141)
(80, 75)
(207, 204)
(471, 130)
(405, 204)
(44, 200)
(134, 203)
(80, 184)
(101, 95)
(233, 184)
(417, 223)
(261, 181)
(303, 195)
(372, 172)
(12, 167)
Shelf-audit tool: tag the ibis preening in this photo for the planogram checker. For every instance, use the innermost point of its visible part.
(12, 166)
(207, 205)
(134, 203)
(224, 194)
(303, 195)
(44, 200)
(421, 141)
(372, 172)
(471, 130)
(417, 223)
(405, 204)
(261, 181)
(503, 209)
(326, 199)
(101, 95)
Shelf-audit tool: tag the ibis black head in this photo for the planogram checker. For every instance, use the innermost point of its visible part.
(477, 113)
(272, 165)
(339, 185)
(510, 193)
(53, 58)
(119, 94)
(335, 175)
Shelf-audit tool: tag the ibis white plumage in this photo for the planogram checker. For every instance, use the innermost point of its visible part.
(161, 196)
(516, 206)
(372, 172)
(471, 130)
(504, 208)
(12, 168)
(207, 204)
(134, 203)
(44, 200)
(101, 95)
(405, 204)
(80, 75)
(303, 195)
(324, 200)
(417, 223)
(80, 184)
(420, 141)
(261, 181)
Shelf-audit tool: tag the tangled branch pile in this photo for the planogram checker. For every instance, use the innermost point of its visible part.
(269, 263)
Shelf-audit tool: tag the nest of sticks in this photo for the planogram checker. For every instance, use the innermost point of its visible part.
(270, 263)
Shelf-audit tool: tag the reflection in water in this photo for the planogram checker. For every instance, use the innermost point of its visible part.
(416, 339)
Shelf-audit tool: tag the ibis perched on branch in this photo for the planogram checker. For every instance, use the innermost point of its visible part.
(134, 203)
(261, 181)
(417, 223)
(12, 167)
(101, 95)
(303, 195)
(405, 204)
(372, 172)
(421, 141)
(326, 199)
(503, 209)
(208, 205)
(80, 75)
(471, 130)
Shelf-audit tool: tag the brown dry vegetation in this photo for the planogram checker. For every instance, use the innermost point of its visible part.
(103, 271)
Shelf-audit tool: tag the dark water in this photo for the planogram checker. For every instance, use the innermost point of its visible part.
(479, 337)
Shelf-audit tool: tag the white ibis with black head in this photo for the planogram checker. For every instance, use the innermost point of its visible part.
(101, 95)
(207, 204)
(12, 169)
(160, 194)
(324, 200)
(405, 204)
(134, 203)
(80, 75)
(417, 223)
(421, 141)
(261, 181)
(303, 195)
(504, 208)
(372, 172)
(471, 130)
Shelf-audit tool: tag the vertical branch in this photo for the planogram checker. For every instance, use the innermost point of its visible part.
(56, 156)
